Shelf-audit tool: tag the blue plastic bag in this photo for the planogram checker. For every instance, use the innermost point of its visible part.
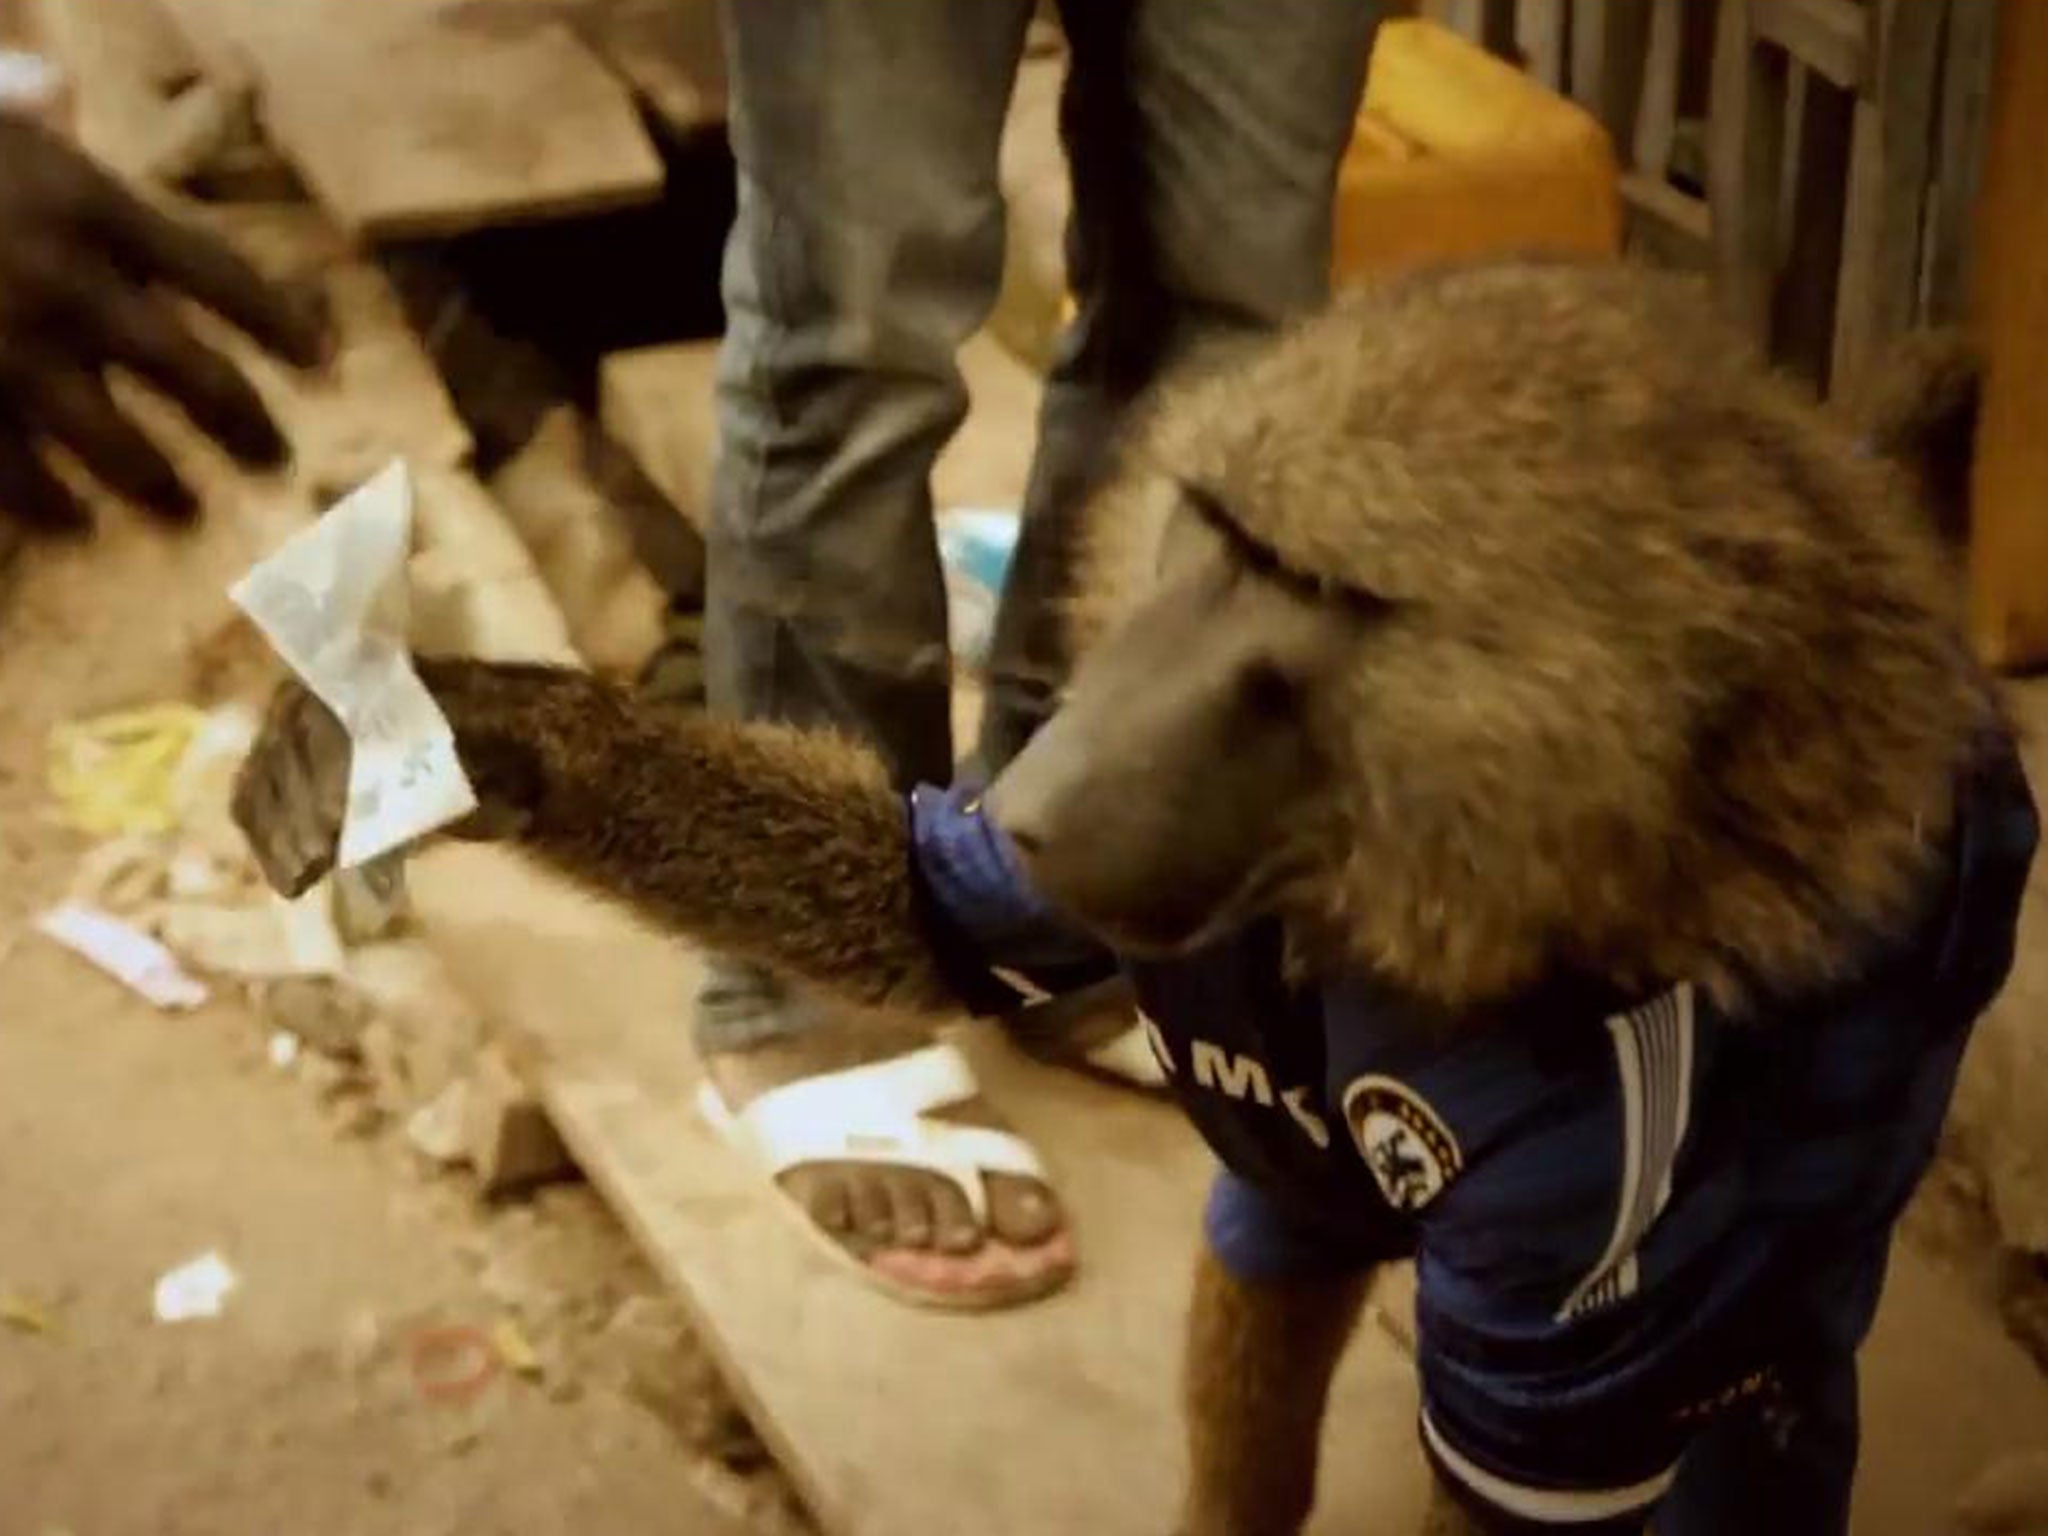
(976, 545)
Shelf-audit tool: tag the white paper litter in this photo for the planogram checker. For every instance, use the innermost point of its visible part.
(30, 83)
(124, 952)
(283, 1049)
(333, 602)
(194, 1290)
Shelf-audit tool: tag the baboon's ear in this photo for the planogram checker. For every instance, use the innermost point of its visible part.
(1918, 407)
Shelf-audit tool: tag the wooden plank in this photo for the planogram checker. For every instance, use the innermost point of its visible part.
(209, 33)
(2009, 544)
(1791, 156)
(1467, 18)
(669, 51)
(1540, 27)
(1608, 42)
(1745, 155)
(658, 404)
(408, 118)
(1959, 160)
(1829, 37)
(892, 1420)
(1889, 170)
(1058, 1417)
(123, 65)
(1666, 225)
(1657, 109)
(1054, 1417)
(1497, 28)
(1804, 304)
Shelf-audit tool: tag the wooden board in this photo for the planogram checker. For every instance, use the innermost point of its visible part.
(1745, 167)
(1666, 225)
(669, 51)
(123, 63)
(1656, 118)
(657, 403)
(2009, 546)
(416, 117)
(1052, 1418)
(1882, 229)
(1967, 68)
(1608, 43)
(1830, 37)
(1058, 1417)
(1541, 36)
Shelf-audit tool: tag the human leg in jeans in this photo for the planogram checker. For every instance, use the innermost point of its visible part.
(1223, 126)
(868, 247)
(1204, 142)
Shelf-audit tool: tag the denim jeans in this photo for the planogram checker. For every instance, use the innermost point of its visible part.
(1203, 139)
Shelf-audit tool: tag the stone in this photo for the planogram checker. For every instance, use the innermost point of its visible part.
(326, 1014)
(435, 1129)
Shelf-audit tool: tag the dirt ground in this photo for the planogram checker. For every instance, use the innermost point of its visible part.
(132, 1141)
(136, 1140)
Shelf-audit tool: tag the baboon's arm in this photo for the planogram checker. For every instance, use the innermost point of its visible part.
(786, 847)
(1256, 1374)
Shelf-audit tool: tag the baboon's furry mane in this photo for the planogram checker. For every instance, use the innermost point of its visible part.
(1669, 685)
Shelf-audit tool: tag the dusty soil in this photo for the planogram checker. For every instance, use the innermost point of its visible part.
(135, 1140)
(131, 1141)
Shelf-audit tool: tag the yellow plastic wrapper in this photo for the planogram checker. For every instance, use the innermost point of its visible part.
(514, 1350)
(24, 1314)
(119, 773)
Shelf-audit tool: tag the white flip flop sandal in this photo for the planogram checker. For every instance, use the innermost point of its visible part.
(1128, 1058)
(879, 1114)
(1098, 1030)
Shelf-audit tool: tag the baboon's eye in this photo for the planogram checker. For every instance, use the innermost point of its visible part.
(1261, 559)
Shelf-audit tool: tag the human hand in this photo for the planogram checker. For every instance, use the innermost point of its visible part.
(90, 278)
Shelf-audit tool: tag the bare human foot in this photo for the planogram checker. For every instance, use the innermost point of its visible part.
(912, 1227)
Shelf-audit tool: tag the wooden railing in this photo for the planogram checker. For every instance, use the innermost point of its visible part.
(1818, 157)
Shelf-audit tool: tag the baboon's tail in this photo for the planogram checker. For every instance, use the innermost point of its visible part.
(1920, 410)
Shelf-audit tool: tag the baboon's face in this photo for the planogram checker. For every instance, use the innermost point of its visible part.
(1165, 803)
(1497, 621)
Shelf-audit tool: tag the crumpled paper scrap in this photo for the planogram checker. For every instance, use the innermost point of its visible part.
(197, 1289)
(333, 602)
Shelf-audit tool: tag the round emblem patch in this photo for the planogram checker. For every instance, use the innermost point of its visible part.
(1410, 1151)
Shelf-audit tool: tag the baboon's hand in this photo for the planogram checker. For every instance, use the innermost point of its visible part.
(292, 790)
(291, 794)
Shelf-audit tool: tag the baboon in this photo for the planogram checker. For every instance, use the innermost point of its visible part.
(1527, 759)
